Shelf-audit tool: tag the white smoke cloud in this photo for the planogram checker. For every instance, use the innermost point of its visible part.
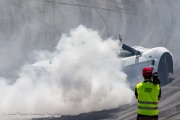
(81, 75)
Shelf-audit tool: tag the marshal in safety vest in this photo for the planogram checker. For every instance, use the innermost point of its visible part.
(147, 94)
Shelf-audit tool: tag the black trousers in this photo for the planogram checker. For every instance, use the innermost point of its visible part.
(145, 117)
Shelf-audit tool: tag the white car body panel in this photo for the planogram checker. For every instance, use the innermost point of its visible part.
(134, 64)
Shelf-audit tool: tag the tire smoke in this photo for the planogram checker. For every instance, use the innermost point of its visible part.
(81, 75)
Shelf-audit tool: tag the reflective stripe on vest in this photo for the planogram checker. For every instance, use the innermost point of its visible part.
(147, 98)
(148, 108)
(147, 102)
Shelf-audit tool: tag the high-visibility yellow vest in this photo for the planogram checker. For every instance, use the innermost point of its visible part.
(148, 98)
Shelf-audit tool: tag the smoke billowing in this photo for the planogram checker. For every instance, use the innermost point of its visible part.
(81, 75)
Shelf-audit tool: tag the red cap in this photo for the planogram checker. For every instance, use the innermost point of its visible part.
(147, 72)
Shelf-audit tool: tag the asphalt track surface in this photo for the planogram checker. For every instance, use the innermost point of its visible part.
(149, 23)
